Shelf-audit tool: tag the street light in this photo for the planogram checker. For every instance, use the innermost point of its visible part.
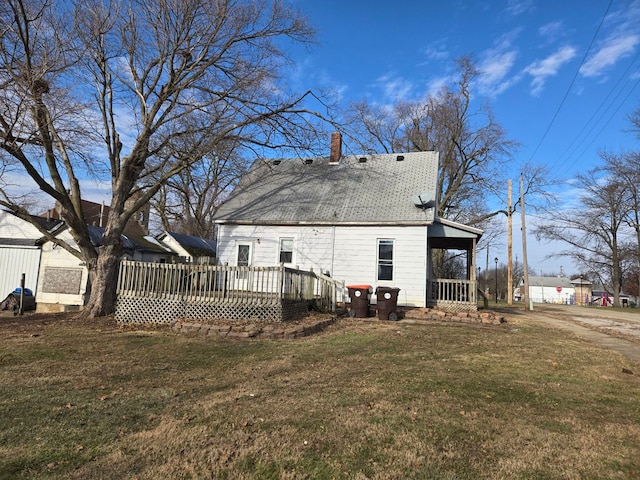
(496, 260)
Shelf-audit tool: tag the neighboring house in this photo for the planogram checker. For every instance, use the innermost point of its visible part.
(550, 290)
(20, 251)
(64, 279)
(367, 219)
(95, 214)
(189, 248)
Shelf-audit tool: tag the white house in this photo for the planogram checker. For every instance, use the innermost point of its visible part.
(550, 290)
(366, 219)
(64, 280)
(189, 248)
(20, 251)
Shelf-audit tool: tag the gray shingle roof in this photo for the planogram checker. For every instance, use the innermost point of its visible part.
(380, 190)
(196, 246)
(129, 242)
(563, 282)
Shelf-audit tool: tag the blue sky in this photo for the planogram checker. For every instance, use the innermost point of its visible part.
(562, 76)
(532, 54)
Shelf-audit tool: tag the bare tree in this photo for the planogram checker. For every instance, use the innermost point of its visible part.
(187, 202)
(626, 167)
(115, 89)
(595, 229)
(473, 146)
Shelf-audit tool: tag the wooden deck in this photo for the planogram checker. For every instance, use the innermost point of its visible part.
(160, 292)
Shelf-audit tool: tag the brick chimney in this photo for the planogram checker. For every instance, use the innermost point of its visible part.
(336, 148)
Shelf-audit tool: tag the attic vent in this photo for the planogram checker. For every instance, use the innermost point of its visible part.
(362, 159)
(399, 158)
(277, 162)
(308, 161)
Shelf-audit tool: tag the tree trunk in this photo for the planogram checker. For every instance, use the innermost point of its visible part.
(104, 280)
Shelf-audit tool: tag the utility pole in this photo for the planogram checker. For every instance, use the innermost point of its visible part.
(509, 247)
(486, 270)
(527, 305)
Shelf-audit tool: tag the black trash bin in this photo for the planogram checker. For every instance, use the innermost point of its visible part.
(387, 298)
(359, 295)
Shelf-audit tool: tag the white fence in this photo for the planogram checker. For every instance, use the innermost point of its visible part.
(205, 287)
(455, 295)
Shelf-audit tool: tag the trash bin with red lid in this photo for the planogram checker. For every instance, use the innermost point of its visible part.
(359, 295)
(387, 298)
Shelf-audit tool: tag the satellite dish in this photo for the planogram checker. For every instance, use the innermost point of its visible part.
(424, 200)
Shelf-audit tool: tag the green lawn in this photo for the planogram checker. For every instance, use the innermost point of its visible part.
(363, 400)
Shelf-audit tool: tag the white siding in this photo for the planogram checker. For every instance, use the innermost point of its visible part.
(57, 259)
(14, 227)
(312, 246)
(550, 294)
(354, 258)
(14, 261)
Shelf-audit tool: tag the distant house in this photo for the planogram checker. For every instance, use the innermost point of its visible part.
(189, 248)
(367, 219)
(20, 250)
(95, 214)
(59, 279)
(549, 290)
(64, 279)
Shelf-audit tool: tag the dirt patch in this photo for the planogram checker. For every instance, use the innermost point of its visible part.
(619, 324)
(32, 323)
(273, 330)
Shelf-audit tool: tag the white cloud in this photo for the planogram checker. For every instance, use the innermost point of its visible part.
(496, 64)
(620, 42)
(518, 7)
(437, 50)
(541, 70)
(394, 88)
(551, 31)
(436, 84)
(495, 68)
(614, 49)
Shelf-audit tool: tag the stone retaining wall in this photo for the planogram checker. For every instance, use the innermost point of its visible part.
(486, 317)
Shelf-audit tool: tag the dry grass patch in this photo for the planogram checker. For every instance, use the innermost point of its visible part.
(364, 400)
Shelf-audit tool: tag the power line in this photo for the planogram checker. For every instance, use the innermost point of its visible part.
(573, 80)
(610, 118)
(572, 147)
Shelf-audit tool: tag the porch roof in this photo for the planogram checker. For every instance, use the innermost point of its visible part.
(452, 235)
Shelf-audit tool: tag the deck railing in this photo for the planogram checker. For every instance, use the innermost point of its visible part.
(228, 284)
(453, 291)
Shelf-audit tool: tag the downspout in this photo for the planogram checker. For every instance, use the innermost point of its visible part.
(427, 274)
(333, 251)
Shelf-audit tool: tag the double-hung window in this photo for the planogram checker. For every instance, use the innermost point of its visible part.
(286, 250)
(385, 259)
